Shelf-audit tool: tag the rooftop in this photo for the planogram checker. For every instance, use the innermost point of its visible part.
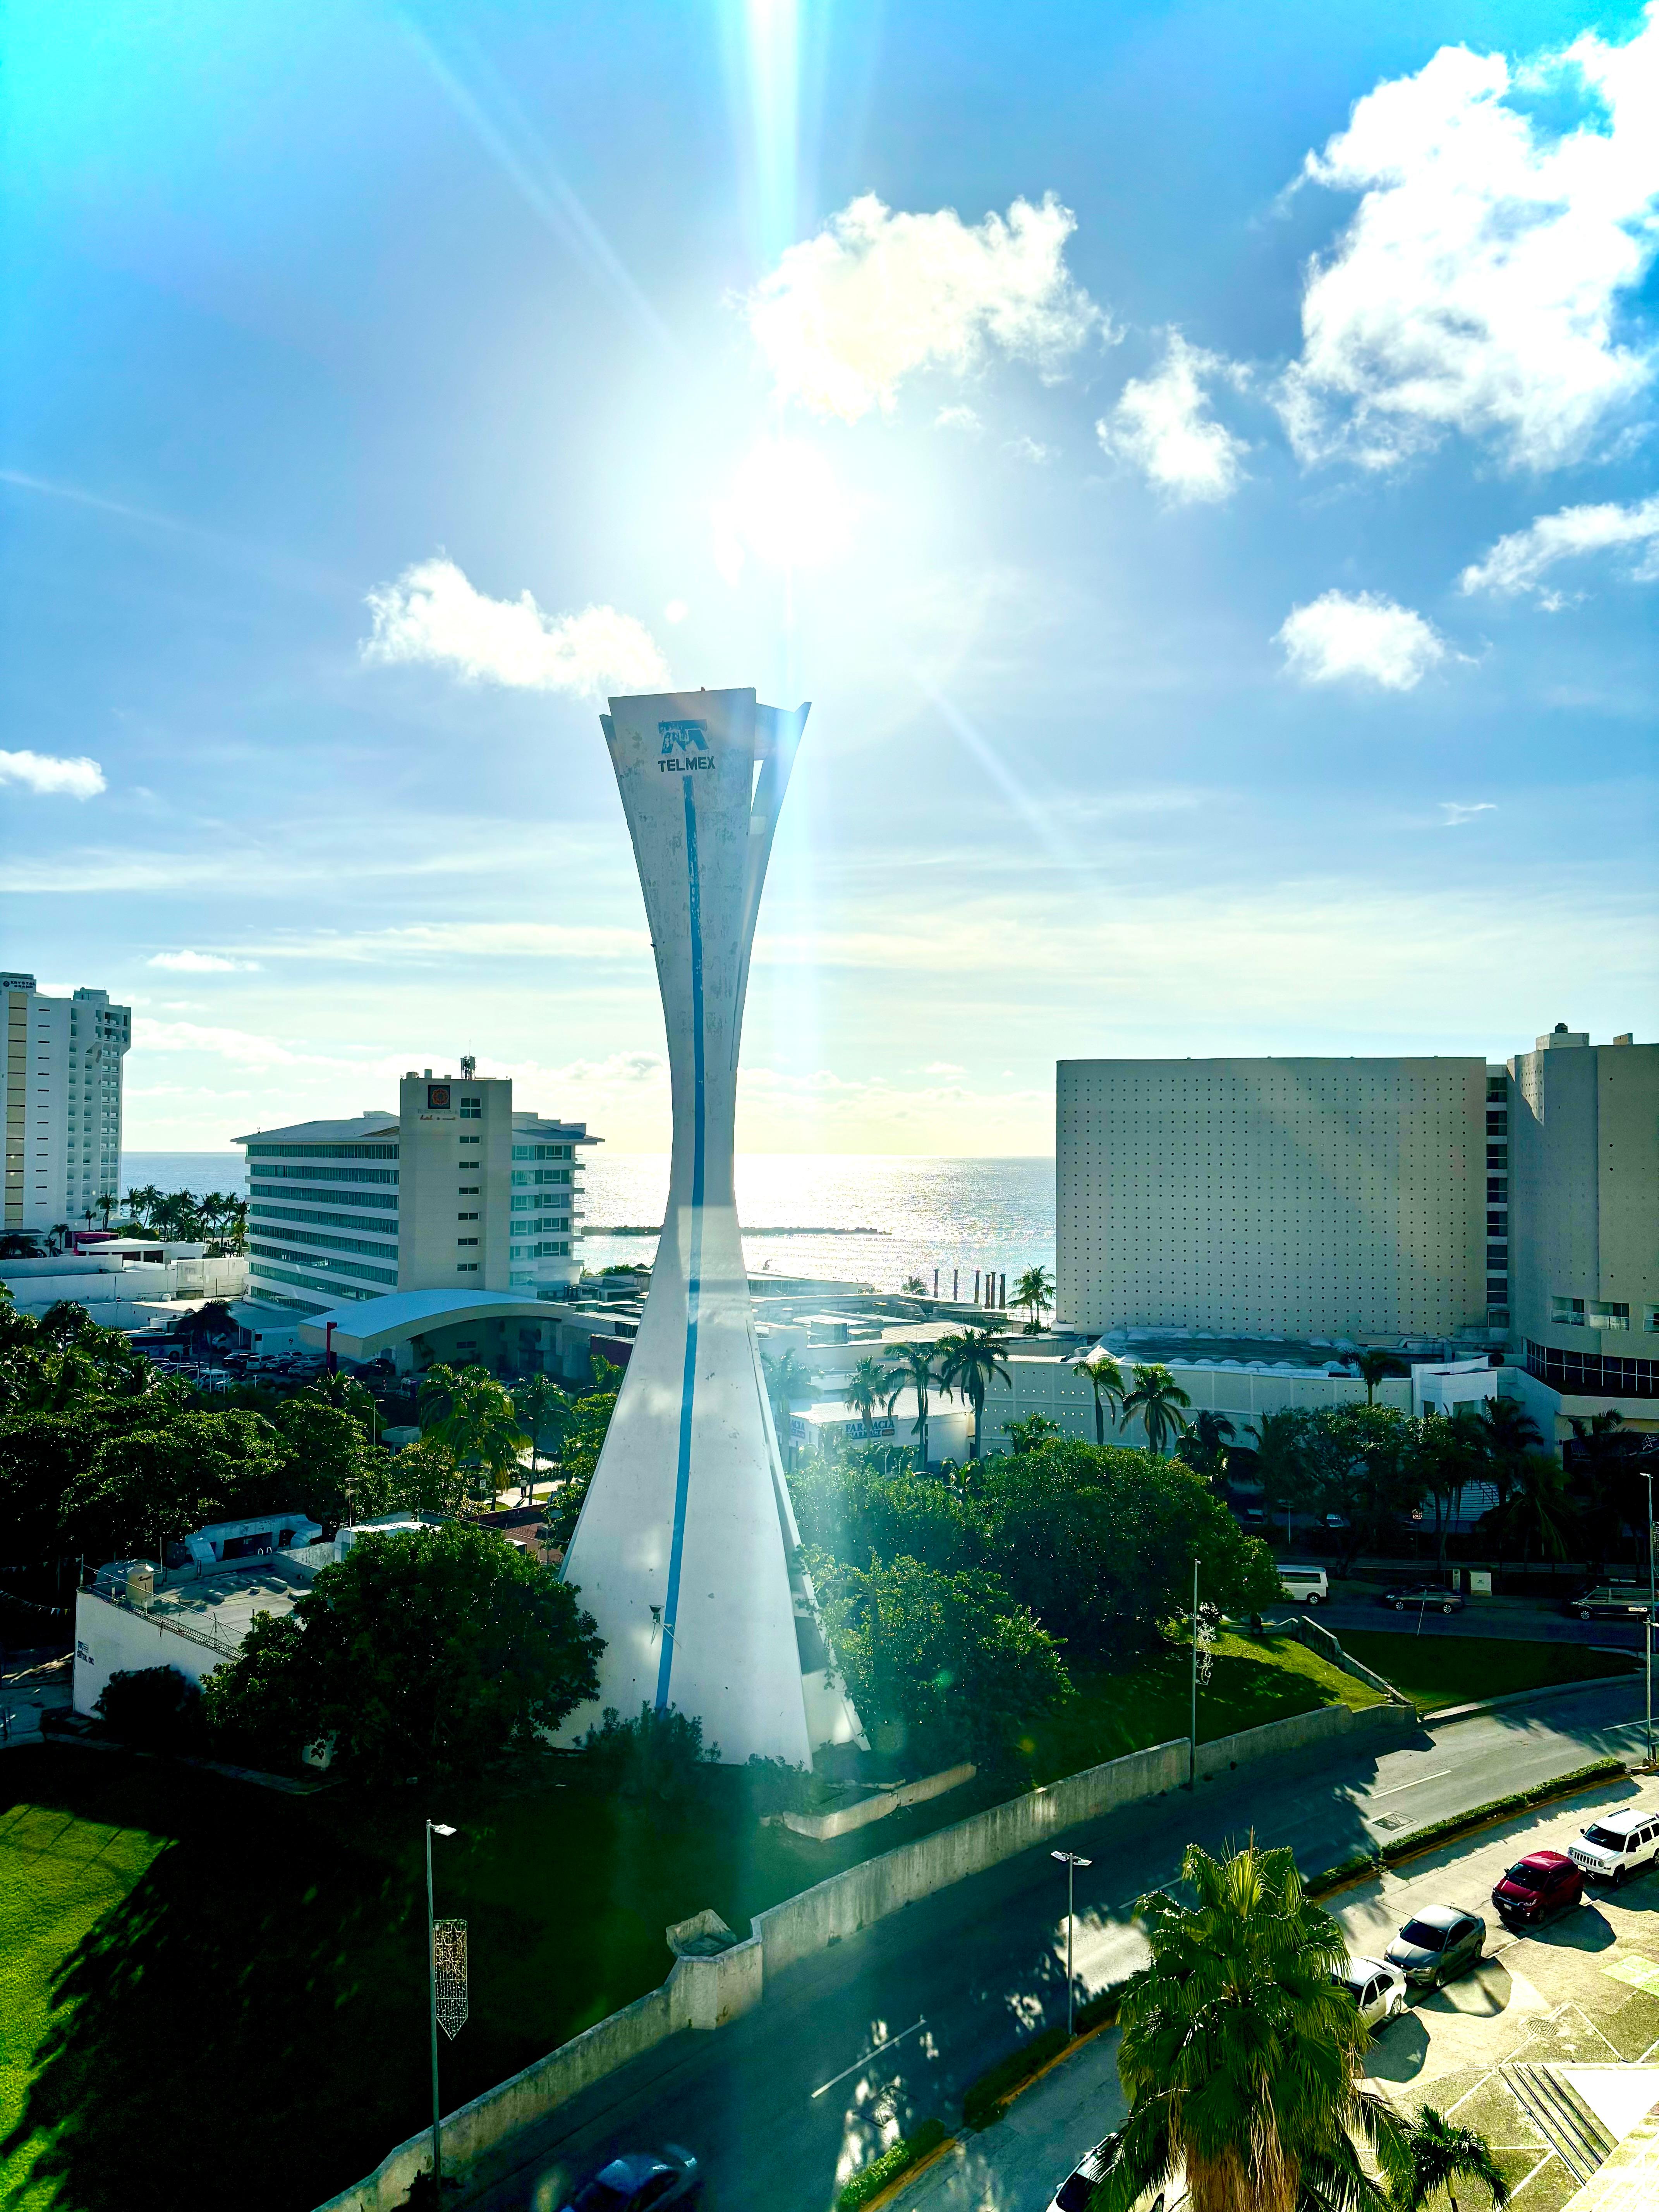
(355, 1131)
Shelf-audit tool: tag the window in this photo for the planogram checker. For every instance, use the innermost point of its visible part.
(1608, 1312)
(466, 1240)
(471, 1109)
(1497, 1156)
(1497, 1124)
(467, 1190)
(1567, 1313)
(466, 1266)
(472, 1140)
(467, 1217)
(1650, 1317)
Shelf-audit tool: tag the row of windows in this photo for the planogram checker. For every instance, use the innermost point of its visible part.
(329, 1175)
(322, 1151)
(523, 1177)
(1592, 1372)
(555, 1250)
(307, 1218)
(1597, 1313)
(307, 1235)
(333, 1289)
(543, 1153)
(305, 1259)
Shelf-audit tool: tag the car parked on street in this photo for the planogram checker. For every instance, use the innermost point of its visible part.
(1616, 1846)
(1377, 1989)
(1079, 2185)
(1537, 1887)
(1427, 1596)
(1610, 1601)
(1436, 1945)
(1304, 1585)
(640, 2181)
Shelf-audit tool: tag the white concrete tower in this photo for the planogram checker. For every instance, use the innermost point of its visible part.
(686, 1550)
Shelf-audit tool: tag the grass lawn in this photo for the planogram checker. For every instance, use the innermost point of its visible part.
(1434, 1671)
(200, 1979)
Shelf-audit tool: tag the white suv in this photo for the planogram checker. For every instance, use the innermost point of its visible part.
(1617, 1844)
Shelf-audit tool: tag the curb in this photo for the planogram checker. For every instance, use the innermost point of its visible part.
(1526, 1697)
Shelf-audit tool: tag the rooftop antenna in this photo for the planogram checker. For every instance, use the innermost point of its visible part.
(469, 1067)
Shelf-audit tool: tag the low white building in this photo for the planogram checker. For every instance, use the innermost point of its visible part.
(129, 1285)
(814, 1430)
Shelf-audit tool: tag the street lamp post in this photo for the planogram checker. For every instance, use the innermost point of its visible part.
(1071, 1860)
(434, 1828)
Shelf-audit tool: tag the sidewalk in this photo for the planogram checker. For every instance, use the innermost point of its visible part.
(24, 1697)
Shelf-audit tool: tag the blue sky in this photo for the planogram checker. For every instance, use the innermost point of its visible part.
(1199, 462)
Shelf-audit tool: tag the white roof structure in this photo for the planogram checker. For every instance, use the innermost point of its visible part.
(367, 1327)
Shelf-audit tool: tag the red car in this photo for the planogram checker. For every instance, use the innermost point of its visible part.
(1536, 1888)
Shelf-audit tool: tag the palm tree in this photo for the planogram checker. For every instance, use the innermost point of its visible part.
(1204, 1447)
(1161, 1403)
(971, 1360)
(1242, 2059)
(1374, 1367)
(1441, 2154)
(1537, 1509)
(914, 1287)
(914, 1369)
(104, 1201)
(1035, 1291)
(870, 1385)
(1508, 1433)
(786, 1378)
(1106, 1380)
(539, 1400)
(142, 1203)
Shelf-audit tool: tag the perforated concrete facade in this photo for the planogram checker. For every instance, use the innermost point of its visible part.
(1289, 1197)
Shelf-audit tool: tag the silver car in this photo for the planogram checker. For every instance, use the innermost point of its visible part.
(1377, 1989)
(1436, 1945)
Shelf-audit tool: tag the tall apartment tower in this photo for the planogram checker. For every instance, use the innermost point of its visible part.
(1583, 1172)
(455, 1191)
(61, 1084)
(1274, 1197)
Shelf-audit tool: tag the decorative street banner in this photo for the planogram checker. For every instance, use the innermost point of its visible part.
(449, 1974)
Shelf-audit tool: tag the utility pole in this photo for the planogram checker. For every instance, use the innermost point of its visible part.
(1071, 1862)
(434, 1828)
(1192, 1767)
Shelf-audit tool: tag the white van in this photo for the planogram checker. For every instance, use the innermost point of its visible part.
(1304, 1585)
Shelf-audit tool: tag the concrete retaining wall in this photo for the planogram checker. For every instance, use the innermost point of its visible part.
(823, 1828)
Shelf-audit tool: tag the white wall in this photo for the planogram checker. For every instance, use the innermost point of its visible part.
(110, 1639)
(1049, 1386)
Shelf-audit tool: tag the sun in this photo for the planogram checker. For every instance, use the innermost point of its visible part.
(785, 509)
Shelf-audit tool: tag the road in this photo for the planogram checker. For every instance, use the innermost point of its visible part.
(1528, 1620)
(893, 2025)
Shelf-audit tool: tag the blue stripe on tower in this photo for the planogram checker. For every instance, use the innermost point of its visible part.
(694, 1282)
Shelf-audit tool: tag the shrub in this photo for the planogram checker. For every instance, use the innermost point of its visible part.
(657, 1759)
(870, 2180)
(155, 1708)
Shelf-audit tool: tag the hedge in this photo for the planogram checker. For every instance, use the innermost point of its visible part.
(1364, 1863)
(870, 2180)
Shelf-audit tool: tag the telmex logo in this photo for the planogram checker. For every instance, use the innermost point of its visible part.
(684, 737)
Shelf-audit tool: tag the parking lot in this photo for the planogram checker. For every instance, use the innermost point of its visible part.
(1578, 1994)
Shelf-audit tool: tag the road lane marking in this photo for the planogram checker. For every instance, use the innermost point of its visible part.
(1394, 1788)
(868, 2056)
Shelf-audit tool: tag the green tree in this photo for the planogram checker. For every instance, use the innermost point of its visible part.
(1445, 1456)
(1031, 1434)
(1161, 1403)
(871, 1385)
(786, 1378)
(849, 1507)
(473, 1414)
(430, 1654)
(1242, 2060)
(1105, 1378)
(423, 1478)
(150, 1486)
(1375, 1367)
(541, 1404)
(940, 1666)
(328, 1468)
(1361, 1472)
(1035, 1292)
(970, 1361)
(42, 1456)
(1538, 1511)
(336, 1387)
(143, 1201)
(1439, 2153)
(579, 1456)
(914, 1287)
(1282, 1464)
(1204, 1445)
(1508, 1433)
(913, 1370)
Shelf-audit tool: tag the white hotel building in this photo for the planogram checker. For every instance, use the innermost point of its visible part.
(455, 1193)
(60, 1080)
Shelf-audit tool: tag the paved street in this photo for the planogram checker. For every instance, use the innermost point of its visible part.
(1533, 1620)
(892, 2025)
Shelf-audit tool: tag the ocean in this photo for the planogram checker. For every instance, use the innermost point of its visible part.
(873, 1217)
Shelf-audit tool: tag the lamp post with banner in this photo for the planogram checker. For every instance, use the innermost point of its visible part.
(445, 1958)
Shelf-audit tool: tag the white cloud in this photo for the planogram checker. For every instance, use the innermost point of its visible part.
(1162, 424)
(1516, 562)
(1456, 813)
(1022, 448)
(943, 1068)
(847, 316)
(1362, 636)
(200, 964)
(432, 613)
(52, 777)
(959, 418)
(241, 1046)
(1478, 287)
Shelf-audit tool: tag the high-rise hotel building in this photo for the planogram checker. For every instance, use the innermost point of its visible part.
(453, 1191)
(60, 1080)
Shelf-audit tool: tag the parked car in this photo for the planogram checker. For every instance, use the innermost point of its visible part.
(1436, 1945)
(1079, 2185)
(1610, 1601)
(1616, 1846)
(640, 2180)
(1424, 1594)
(1377, 1989)
(1536, 1888)
(1306, 1585)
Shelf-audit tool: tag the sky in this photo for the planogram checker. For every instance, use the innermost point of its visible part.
(1198, 461)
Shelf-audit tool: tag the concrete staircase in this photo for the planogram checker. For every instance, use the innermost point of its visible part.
(1561, 2117)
